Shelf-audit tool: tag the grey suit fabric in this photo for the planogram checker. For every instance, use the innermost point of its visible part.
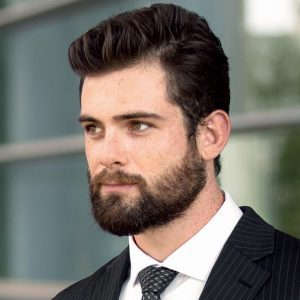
(257, 262)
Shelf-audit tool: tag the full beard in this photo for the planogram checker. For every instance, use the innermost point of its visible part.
(164, 201)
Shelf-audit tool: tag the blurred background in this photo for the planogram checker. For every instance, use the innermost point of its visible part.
(47, 236)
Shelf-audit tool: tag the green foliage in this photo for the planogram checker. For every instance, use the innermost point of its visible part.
(274, 71)
(287, 184)
(273, 81)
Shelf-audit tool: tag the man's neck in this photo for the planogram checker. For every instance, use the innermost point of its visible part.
(162, 241)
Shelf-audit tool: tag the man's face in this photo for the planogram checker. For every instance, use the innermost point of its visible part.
(143, 171)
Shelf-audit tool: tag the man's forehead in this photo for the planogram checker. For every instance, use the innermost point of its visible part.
(140, 88)
(138, 78)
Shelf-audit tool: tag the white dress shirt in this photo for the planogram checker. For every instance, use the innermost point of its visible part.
(193, 260)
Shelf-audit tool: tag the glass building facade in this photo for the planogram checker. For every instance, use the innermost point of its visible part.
(47, 235)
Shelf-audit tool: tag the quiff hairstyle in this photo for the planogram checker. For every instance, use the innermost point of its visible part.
(181, 41)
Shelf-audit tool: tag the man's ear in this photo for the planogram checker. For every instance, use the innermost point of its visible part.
(213, 134)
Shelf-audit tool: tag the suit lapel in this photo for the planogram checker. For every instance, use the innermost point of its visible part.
(236, 274)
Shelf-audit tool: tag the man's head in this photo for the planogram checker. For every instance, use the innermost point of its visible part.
(183, 44)
(154, 104)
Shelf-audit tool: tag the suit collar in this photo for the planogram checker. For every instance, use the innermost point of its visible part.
(253, 236)
(236, 274)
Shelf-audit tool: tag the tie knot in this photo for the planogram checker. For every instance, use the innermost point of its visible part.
(155, 280)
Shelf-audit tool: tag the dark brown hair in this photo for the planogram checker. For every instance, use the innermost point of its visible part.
(192, 56)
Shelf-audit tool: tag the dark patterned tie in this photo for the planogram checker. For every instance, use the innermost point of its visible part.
(154, 281)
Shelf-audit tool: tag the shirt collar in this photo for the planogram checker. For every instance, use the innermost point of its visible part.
(196, 257)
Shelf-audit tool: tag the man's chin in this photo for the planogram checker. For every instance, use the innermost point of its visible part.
(121, 230)
(120, 200)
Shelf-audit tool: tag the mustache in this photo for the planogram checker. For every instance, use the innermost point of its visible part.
(115, 177)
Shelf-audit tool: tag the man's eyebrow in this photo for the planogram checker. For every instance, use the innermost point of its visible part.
(137, 115)
(87, 118)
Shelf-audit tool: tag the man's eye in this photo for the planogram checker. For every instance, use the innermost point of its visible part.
(92, 129)
(138, 126)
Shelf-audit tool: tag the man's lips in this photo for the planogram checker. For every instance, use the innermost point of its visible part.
(117, 187)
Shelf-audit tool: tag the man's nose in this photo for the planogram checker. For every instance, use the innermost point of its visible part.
(113, 152)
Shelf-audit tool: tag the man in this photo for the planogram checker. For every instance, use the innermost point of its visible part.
(154, 108)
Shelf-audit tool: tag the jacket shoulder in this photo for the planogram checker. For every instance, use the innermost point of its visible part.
(82, 288)
(77, 289)
(287, 251)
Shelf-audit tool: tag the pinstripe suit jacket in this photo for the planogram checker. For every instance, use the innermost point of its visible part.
(257, 262)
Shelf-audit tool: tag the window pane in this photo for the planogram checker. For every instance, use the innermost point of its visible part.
(39, 91)
(49, 231)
